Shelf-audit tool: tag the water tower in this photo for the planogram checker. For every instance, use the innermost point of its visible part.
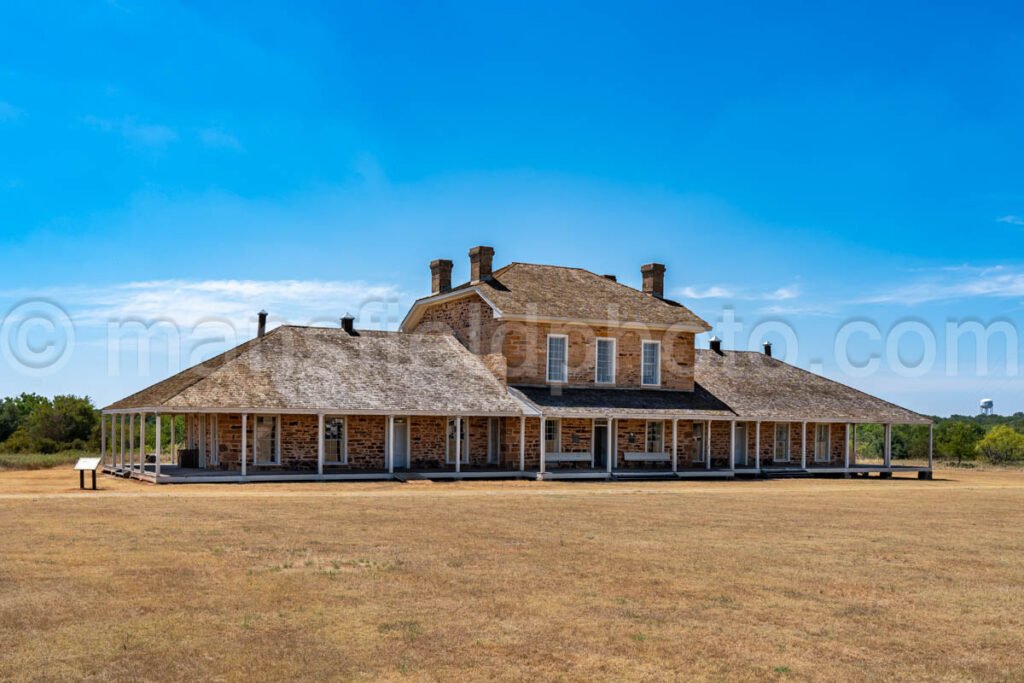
(986, 406)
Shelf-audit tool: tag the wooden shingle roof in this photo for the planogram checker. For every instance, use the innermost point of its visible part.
(327, 370)
(622, 403)
(560, 293)
(758, 387)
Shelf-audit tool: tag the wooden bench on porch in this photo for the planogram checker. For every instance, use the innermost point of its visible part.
(643, 457)
(567, 458)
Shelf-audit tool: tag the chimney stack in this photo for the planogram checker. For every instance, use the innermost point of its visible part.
(262, 329)
(716, 345)
(480, 261)
(348, 324)
(654, 279)
(768, 349)
(440, 276)
(610, 277)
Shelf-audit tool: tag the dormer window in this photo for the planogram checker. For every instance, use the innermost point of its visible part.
(650, 364)
(558, 358)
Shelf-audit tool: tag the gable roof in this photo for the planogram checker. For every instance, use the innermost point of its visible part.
(319, 369)
(758, 387)
(560, 293)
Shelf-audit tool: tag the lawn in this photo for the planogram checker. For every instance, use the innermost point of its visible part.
(40, 461)
(788, 580)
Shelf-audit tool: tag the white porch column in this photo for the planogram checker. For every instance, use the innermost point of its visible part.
(172, 450)
(131, 442)
(931, 442)
(244, 455)
(543, 425)
(103, 438)
(522, 443)
(853, 443)
(320, 444)
(803, 445)
(458, 443)
(757, 445)
(142, 442)
(159, 438)
(391, 444)
(888, 445)
(611, 455)
(120, 435)
(846, 448)
(732, 445)
(707, 445)
(675, 445)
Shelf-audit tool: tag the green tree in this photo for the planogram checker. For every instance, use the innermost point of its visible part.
(64, 420)
(15, 411)
(958, 439)
(1002, 444)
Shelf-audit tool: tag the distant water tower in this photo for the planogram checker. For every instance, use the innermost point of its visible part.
(986, 406)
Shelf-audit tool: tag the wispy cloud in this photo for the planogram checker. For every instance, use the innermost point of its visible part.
(1010, 219)
(963, 282)
(725, 292)
(215, 138)
(142, 134)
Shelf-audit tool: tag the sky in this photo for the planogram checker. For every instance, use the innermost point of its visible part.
(844, 179)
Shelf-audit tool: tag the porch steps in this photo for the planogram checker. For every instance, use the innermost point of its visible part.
(642, 476)
(786, 474)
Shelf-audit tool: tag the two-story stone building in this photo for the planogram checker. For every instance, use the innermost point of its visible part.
(524, 371)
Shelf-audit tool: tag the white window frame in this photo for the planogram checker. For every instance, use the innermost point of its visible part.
(657, 367)
(787, 456)
(698, 441)
(647, 432)
(344, 439)
(597, 359)
(557, 424)
(277, 441)
(565, 360)
(828, 443)
(463, 433)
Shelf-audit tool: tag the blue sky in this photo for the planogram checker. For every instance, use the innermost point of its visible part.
(810, 165)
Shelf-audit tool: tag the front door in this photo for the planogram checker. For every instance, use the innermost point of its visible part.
(741, 444)
(600, 445)
(401, 442)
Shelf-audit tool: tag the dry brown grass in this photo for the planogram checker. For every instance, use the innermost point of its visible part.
(808, 579)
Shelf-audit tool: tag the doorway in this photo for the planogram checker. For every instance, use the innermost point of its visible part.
(601, 444)
(740, 453)
(401, 442)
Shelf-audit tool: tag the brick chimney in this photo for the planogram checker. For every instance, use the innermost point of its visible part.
(480, 260)
(654, 279)
(440, 276)
(262, 328)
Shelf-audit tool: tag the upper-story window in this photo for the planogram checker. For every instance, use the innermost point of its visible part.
(651, 364)
(605, 373)
(558, 358)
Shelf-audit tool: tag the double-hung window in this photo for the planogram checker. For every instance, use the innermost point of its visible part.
(334, 441)
(552, 436)
(558, 358)
(266, 442)
(650, 361)
(781, 452)
(655, 436)
(821, 443)
(605, 373)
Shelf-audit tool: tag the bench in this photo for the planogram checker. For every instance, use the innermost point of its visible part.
(648, 457)
(567, 457)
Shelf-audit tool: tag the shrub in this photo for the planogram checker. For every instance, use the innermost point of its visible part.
(18, 442)
(1002, 444)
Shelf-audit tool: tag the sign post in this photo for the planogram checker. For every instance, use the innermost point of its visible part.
(87, 465)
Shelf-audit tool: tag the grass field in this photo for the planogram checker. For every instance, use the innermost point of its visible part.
(787, 580)
(40, 461)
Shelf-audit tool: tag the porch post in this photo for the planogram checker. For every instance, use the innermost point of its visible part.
(320, 444)
(888, 445)
(522, 443)
(159, 437)
(846, 448)
(543, 424)
(757, 445)
(611, 455)
(391, 443)
(120, 435)
(732, 445)
(131, 442)
(458, 443)
(707, 445)
(853, 442)
(803, 445)
(245, 438)
(103, 438)
(142, 443)
(675, 445)
(931, 441)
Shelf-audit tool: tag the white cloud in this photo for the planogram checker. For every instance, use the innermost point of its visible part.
(723, 292)
(215, 138)
(960, 283)
(1011, 219)
(142, 134)
(713, 292)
